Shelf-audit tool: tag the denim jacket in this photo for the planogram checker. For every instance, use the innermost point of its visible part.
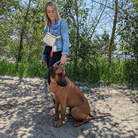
(62, 43)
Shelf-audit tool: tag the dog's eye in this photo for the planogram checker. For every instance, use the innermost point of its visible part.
(60, 74)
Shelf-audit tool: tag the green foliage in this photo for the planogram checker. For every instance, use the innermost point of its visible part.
(88, 55)
(85, 72)
(119, 71)
(13, 24)
(31, 69)
(128, 28)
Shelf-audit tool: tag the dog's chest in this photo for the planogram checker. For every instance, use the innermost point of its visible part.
(52, 95)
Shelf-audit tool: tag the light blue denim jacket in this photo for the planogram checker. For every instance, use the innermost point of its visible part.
(62, 43)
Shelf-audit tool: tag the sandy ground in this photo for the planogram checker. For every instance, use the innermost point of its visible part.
(23, 112)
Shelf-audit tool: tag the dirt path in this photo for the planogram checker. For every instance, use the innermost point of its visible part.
(23, 112)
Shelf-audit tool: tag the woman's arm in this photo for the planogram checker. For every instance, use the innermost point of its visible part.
(63, 59)
(66, 43)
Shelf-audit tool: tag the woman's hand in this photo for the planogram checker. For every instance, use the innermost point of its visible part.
(42, 62)
(63, 59)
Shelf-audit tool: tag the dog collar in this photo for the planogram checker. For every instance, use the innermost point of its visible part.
(53, 81)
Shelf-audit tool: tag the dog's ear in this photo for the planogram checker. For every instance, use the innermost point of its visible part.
(52, 71)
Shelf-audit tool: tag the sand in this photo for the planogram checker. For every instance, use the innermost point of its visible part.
(23, 112)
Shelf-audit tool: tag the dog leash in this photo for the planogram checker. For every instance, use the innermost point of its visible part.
(59, 62)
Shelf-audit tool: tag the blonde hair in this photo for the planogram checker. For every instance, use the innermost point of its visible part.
(55, 9)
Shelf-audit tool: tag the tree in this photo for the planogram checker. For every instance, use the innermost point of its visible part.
(22, 33)
(113, 31)
(6, 10)
(83, 19)
(128, 28)
(22, 30)
(75, 15)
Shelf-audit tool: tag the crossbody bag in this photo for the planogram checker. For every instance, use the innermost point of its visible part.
(51, 40)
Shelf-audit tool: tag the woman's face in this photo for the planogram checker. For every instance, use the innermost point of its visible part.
(50, 13)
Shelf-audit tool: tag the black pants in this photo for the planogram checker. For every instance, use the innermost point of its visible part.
(52, 60)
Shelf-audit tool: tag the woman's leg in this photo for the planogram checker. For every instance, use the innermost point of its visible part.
(52, 60)
(47, 61)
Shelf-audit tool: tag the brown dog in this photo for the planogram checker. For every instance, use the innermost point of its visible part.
(67, 94)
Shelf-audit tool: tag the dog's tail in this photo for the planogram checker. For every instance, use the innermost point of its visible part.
(94, 117)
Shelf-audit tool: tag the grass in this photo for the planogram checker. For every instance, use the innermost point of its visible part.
(32, 69)
(120, 71)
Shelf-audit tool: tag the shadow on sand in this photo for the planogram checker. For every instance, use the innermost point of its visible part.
(23, 114)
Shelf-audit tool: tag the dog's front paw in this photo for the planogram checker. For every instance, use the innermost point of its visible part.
(56, 118)
(58, 124)
(77, 124)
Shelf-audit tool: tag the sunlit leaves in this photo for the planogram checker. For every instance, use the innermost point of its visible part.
(128, 28)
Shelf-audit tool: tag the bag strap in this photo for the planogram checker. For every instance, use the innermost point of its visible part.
(59, 35)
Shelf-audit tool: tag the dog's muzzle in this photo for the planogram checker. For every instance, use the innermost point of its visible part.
(63, 84)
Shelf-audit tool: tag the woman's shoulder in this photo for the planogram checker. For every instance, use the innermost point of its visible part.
(62, 22)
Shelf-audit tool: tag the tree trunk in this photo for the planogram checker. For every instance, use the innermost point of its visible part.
(22, 34)
(77, 42)
(97, 21)
(137, 60)
(32, 41)
(113, 31)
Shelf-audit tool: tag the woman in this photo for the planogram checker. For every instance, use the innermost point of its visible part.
(56, 27)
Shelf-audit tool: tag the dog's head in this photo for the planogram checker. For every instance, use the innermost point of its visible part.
(58, 74)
